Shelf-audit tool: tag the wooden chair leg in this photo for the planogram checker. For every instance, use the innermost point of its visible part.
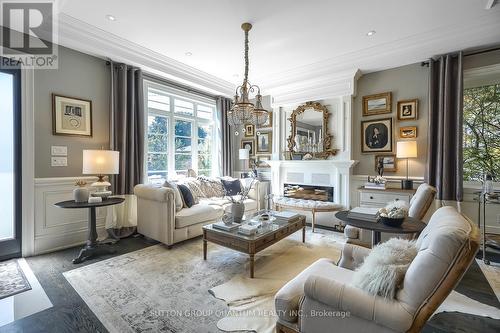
(313, 219)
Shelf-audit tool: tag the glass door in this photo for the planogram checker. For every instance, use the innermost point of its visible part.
(10, 163)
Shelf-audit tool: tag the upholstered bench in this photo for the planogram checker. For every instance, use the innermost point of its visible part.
(313, 206)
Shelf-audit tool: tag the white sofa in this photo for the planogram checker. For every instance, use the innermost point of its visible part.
(158, 219)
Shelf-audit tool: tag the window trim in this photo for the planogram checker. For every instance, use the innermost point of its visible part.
(172, 116)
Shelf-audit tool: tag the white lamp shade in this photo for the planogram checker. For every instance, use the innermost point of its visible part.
(406, 149)
(244, 154)
(101, 162)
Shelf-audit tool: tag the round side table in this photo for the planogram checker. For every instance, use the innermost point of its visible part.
(92, 247)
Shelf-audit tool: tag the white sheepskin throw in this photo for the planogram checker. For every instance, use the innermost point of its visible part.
(384, 268)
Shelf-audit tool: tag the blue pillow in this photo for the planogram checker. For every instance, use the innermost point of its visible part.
(187, 196)
(231, 187)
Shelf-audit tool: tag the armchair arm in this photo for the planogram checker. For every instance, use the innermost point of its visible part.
(353, 256)
(358, 303)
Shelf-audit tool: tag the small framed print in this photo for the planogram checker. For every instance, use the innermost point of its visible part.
(262, 161)
(408, 132)
(252, 163)
(250, 145)
(388, 161)
(408, 109)
(377, 104)
(71, 116)
(264, 142)
(376, 136)
(269, 122)
(249, 130)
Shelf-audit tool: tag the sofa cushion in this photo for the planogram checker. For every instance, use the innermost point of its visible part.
(250, 204)
(231, 186)
(187, 196)
(288, 297)
(211, 187)
(197, 214)
(177, 194)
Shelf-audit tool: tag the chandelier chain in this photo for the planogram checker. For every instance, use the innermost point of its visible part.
(246, 56)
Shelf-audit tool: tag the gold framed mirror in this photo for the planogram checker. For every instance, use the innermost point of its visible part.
(309, 132)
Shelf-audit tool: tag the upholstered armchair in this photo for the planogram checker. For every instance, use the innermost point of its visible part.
(322, 298)
(419, 205)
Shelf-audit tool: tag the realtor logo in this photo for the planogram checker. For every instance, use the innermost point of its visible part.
(28, 37)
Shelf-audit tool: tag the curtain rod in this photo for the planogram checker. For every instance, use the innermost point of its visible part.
(172, 84)
(467, 54)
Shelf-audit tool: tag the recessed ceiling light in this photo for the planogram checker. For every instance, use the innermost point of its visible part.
(371, 33)
(111, 17)
(188, 54)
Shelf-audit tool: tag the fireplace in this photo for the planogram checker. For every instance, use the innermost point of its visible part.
(308, 192)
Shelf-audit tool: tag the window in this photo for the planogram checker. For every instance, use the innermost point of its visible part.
(181, 133)
(481, 132)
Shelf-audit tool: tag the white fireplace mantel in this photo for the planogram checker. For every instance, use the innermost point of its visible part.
(331, 172)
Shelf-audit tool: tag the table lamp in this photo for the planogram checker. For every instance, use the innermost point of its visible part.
(101, 163)
(244, 155)
(406, 149)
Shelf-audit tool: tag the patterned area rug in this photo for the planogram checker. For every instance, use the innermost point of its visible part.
(155, 289)
(12, 279)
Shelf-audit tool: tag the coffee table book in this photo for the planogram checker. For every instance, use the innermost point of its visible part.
(226, 227)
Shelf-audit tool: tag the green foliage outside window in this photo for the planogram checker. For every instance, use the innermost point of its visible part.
(482, 132)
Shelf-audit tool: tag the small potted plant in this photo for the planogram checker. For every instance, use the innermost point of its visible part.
(394, 213)
(238, 206)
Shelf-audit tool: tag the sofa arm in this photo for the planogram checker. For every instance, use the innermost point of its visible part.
(353, 256)
(152, 192)
(256, 194)
(358, 303)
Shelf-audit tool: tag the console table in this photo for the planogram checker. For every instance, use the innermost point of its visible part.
(92, 247)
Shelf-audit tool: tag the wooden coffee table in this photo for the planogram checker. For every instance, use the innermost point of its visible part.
(251, 244)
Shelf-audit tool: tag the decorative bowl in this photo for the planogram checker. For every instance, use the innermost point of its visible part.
(392, 222)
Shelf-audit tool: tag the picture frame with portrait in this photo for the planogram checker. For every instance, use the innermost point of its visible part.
(71, 116)
(408, 109)
(248, 144)
(388, 161)
(264, 142)
(377, 104)
(262, 161)
(377, 136)
(249, 130)
(408, 132)
(269, 122)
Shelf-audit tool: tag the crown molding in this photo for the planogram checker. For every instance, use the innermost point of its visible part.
(81, 36)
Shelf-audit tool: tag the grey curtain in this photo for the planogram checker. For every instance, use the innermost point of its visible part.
(127, 126)
(223, 106)
(445, 154)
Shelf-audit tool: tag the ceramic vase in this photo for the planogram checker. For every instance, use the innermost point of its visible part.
(237, 210)
(81, 194)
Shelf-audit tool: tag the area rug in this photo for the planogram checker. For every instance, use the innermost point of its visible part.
(160, 290)
(12, 279)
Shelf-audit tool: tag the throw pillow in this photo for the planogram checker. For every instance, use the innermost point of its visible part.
(177, 194)
(231, 187)
(211, 187)
(186, 195)
(195, 188)
(385, 267)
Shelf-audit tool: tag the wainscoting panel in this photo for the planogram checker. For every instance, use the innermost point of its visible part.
(57, 228)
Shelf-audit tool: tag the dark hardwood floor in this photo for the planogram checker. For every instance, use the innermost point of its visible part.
(70, 313)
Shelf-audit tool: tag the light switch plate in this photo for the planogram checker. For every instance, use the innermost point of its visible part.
(59, 161)
(59, 150)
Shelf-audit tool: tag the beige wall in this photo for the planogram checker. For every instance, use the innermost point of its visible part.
(406, 82)
(78, 75)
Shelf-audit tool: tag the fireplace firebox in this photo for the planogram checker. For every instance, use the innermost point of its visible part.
(308, 192)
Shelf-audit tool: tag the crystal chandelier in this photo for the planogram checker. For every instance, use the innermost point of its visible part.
(243, 111)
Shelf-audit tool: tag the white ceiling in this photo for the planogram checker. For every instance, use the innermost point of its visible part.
(292, 39)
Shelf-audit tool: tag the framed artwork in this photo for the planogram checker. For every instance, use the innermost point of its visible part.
(252, 162)
(249, 130)
(376, 135)
(377, 104)
(408, 132)
(262, 161)
(71, 116)
(388, 161)
(248, 144)
(269, 122)
(408, 109)
(264, 142)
